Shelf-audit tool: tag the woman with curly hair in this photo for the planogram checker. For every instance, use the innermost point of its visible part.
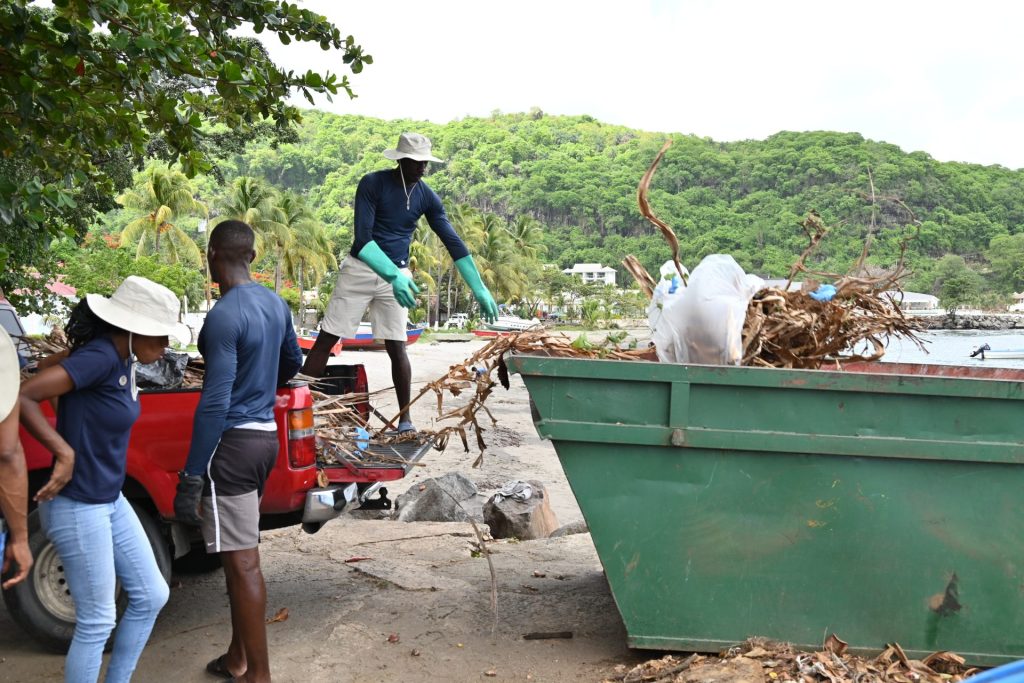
(93, 527)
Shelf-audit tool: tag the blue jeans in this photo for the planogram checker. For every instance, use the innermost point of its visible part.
(98, 544)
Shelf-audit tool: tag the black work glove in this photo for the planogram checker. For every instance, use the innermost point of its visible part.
(186, 500)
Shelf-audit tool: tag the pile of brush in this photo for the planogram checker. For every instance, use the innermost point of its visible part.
(761, 659)
(792, 329)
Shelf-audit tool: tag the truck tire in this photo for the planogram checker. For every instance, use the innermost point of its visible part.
(42, 604)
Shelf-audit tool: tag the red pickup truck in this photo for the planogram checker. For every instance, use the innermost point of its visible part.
(157, 449)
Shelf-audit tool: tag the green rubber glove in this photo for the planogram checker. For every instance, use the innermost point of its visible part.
(488, 307)
(405, 289)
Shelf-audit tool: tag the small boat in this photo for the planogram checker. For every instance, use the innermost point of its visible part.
(505, 325)
(511, 323)
(985, 351)
(363, 340)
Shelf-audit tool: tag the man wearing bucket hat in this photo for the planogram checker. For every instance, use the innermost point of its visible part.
(82, 510)
(13, 474)
(376, 274)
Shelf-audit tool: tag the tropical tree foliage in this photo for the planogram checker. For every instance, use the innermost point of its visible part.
(309, 253)
(98, 266)
(161, 194)
(574, 180)
(87, 85)
(525, 190)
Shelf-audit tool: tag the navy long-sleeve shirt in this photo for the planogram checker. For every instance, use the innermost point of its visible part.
(249, 346)
(381, 216)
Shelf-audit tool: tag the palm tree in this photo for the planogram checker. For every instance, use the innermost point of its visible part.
(428, 258)
(499, 262)
(467, 222)
(528, 234)
(257, 204)
(311, 251)
(162, 193)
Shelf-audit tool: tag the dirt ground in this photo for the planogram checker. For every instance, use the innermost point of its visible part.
(418, 608)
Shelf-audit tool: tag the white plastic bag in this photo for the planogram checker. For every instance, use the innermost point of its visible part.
(703, 322)
(669, 286)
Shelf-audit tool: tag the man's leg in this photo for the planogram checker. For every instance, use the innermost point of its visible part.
(401, 376)
(230, 525)
(316, 359)
(247, 594)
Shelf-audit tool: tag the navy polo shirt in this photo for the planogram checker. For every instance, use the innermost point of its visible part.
(381, 215)
(96, 420)
(250, 349)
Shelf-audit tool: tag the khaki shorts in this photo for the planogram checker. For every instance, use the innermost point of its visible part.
(357, 288)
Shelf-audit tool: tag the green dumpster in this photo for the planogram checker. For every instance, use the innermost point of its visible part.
(883, 503)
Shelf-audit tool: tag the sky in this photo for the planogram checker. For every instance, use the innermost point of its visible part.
(946, 78)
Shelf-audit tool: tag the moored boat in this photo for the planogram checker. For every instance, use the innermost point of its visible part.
(364, 339)
(985, 351)
(511, 323)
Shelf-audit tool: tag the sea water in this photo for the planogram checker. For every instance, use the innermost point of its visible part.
(954, 347)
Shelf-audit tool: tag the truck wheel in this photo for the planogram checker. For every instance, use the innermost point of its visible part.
(42, 604)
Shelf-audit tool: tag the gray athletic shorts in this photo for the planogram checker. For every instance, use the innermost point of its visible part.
(232, 491)
(357, 288)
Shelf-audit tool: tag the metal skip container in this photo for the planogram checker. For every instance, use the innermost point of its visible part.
(883, 503)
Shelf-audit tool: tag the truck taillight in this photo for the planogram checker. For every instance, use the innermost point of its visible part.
(362, 387)
(301, 438)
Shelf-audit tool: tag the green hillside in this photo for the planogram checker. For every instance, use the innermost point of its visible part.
(578, 177)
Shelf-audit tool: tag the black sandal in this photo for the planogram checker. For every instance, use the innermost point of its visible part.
(218, 668)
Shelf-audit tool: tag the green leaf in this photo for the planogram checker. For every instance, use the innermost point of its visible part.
(582, 343)
(146, 42)
(231, 71)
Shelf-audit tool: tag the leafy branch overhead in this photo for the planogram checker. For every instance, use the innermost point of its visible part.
(83, 83)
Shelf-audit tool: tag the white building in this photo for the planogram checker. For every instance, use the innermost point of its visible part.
(592, 273)
(915, 301)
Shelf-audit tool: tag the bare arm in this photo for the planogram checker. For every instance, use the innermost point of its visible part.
(52, 382)
(14, 499)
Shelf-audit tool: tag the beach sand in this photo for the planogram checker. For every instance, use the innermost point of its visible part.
(379, 600)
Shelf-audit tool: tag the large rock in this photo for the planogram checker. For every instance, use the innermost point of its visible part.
(577, 527)
(436, 500)
(523, 519)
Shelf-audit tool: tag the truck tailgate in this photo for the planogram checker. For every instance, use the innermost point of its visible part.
(376, 462)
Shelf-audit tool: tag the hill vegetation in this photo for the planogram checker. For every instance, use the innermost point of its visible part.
(578, 178)
(530, 189)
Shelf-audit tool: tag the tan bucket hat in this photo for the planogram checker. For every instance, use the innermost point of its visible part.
(412, 146)
(10, 374)
(141, 306)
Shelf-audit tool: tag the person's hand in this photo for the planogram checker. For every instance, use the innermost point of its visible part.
(63, 467)
(488, 307)
(405, 290)
(186, 500)
(16, 554)
(52, 359)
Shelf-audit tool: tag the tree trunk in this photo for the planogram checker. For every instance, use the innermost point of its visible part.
(437, 304)
(449, 294)
(277, 272)
(209, 294)
(302, 299)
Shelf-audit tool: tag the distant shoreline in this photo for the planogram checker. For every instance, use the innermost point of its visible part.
(970, 321)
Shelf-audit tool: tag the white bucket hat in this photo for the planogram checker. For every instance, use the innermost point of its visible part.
(411, 146)
(10, 374)
(141, 306)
